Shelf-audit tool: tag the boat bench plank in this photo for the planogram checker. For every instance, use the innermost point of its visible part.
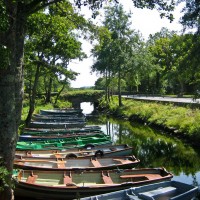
(157, 192)
(96, 163)
(67, 180)
(107, 179)
(123, 161)
(133, 176)
(147, 176)
(61, 164)
(57, 155)
(31, 179)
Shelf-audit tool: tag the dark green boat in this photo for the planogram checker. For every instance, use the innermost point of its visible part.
(56, 137)
(67, 111)
(57, 125)
(64, 143)
(60, 131)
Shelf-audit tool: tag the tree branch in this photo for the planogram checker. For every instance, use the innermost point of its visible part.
(37, 5)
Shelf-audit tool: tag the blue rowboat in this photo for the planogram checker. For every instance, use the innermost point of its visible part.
(168, 190)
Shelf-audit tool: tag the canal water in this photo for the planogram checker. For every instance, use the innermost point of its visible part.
(154, 148)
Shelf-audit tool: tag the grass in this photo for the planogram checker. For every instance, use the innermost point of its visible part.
(182, 120)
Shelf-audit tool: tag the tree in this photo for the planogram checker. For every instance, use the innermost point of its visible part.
(103, 63)
(13, 15)
(119, 25)
(122, 53)
(52, 45)
(173, 56)
(160, 47)
(185, 70)
(111, 46)
(190, 18)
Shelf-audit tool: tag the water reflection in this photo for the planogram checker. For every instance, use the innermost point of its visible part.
(154, 148)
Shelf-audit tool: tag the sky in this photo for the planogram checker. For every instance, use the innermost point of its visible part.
(143, 20)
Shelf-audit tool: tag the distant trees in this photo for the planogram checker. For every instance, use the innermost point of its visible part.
(165, 64)
(172, 52)
(120, 53)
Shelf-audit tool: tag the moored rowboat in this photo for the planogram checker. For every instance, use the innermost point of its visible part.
(55, 118)
(66, 111)
(64, 143)
(89, 151)
(51, 130)
(75, 163)
(58, 117)
(69, 185)
(168, 190)
(57, 125)
(55, 137)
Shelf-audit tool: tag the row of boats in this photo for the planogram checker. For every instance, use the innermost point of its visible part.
(60, 160)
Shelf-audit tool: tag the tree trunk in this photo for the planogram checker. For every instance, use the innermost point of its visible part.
(11, 90)
(106, 89)
(157, 88)
(33, 96)
(58, 95)
(48, 95)
(119, 87)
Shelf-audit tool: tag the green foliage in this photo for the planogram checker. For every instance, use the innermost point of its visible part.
(177, 68)
(3, 178)
(61, 104)
(190, 18)
(3, 17)
(83, 92)
(185, 121)
(164, 6)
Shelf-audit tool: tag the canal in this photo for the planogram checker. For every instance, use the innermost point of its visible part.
(154, 148)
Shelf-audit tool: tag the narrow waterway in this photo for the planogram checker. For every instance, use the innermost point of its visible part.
(153, 148)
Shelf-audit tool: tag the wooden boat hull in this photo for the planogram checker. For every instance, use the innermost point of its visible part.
(50, 130)
(68, 111)
(58, 145)
(71, 164)
(37, 117)
(56, 125)
(61, 132)
(43, 137)
(168, 190)
(71, 185)
(66, 143)
(89, 151)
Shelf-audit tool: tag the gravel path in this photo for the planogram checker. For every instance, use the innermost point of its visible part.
(167, 99)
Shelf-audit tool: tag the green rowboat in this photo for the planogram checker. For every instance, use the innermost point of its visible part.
(64, 143)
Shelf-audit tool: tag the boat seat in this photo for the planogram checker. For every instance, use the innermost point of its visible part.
(28, 153)
(96, 163)
(107, 179)
(132, 175)
(158, 192)
(122, 161)
(31, 179)
(67, 179)
(135, 177)
(61, 164)
(57, 155)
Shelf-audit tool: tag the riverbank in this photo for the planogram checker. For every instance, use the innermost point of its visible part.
(181, 122)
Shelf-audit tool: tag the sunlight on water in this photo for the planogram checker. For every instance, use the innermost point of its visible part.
(87, 107)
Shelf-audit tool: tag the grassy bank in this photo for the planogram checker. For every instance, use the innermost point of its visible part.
(182, 122)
